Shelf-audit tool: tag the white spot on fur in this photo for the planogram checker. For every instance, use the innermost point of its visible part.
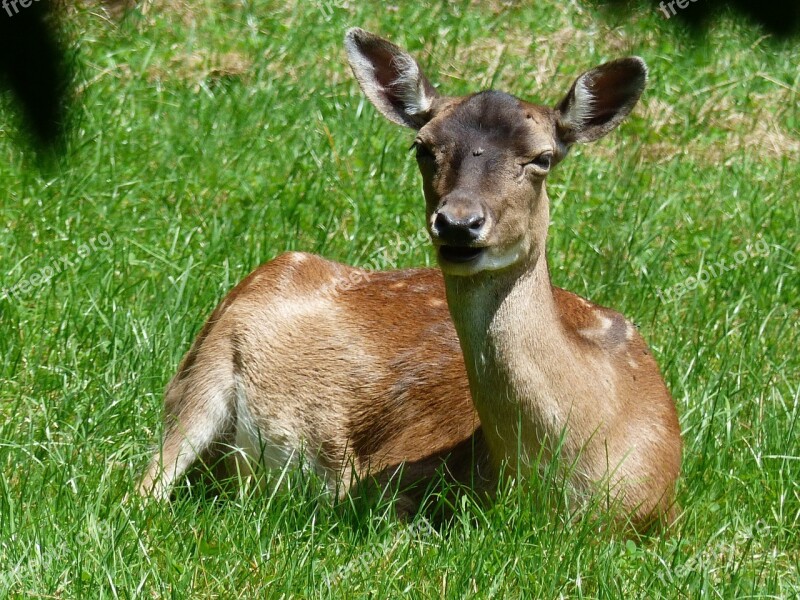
(601, 328)
(261, 447)
(273, 447)
(605, 322)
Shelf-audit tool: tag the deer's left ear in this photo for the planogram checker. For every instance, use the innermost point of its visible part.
(390, 78)
(600, 99)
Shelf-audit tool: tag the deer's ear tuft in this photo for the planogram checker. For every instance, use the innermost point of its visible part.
(390, 78)
(600, 99)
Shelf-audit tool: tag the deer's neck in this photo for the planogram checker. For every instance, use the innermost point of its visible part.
(525, 373)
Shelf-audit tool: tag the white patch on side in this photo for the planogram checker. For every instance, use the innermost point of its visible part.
(272, 449)
(605, 323)
(601, 328)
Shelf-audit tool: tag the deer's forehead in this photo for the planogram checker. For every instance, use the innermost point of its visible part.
(491, 118)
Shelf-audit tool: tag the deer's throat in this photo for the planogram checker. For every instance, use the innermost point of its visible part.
(517, 357)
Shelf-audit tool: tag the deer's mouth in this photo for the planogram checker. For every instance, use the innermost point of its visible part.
(460, 254)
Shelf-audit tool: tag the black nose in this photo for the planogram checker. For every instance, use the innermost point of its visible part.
(458, 231)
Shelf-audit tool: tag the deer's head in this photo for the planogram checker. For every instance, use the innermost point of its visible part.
(484, 157)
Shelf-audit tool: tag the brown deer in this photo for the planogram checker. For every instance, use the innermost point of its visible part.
(369, 378)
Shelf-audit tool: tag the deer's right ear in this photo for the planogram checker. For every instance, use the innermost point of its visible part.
(390, 78)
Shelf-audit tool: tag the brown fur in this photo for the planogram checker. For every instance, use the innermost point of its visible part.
(364, 368)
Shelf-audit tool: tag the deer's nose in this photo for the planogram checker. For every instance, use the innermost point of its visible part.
(458, 228)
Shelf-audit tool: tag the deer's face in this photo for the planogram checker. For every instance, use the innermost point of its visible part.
(484, 160)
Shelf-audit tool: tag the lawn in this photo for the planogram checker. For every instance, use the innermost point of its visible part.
(208, 137)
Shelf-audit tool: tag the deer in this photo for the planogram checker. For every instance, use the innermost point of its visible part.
(482, 369)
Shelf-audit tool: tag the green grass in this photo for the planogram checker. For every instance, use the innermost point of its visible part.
(211, 136)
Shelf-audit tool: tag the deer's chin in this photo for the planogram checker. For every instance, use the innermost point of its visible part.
(469, 261)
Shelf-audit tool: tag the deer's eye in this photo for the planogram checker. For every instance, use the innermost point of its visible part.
(423, 152)
(543, 162)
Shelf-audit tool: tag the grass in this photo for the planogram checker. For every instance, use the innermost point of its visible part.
(211, 136)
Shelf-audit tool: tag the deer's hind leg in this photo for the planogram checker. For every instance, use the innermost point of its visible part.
(199, 416)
